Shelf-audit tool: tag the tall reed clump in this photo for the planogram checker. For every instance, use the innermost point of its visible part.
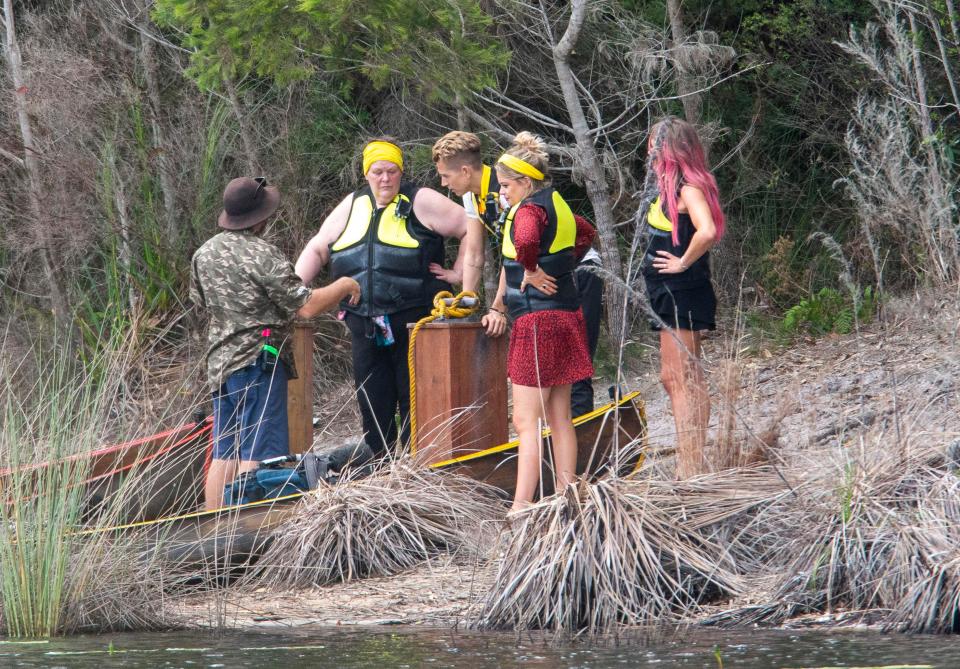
(41, 503)
(379, 526)
(53, 579)
(622, 552)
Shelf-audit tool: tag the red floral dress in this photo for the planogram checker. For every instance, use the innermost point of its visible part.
(547, 348)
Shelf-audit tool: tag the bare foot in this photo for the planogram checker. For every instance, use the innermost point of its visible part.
(518, 506)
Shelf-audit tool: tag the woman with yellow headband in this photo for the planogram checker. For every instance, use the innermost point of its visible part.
(387, 235)
(542, 242)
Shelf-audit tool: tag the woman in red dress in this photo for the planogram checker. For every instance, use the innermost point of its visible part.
(542, 242)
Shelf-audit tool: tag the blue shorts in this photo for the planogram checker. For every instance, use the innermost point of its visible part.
(250, 415)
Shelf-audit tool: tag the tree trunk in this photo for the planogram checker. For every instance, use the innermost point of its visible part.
(952, 17)
(591, 168)
(125, 252)
(59, 305)
(168, 180)
(941, 45)
(491, 256)
(686, 82)
(463, 118)
(946, 242)
(246, 132)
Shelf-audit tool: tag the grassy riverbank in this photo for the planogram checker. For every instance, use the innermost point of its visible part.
(54, 579)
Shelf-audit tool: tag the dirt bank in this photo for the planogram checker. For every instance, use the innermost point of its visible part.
(896, 380)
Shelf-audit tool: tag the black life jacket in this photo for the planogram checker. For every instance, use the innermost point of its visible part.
(557, 258)
(659, 233)
(388, 252)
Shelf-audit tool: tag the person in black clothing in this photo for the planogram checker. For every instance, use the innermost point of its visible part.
(590, 287)
(682, 223)
(389, 236)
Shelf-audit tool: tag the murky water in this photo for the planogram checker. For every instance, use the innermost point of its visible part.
(383, 648)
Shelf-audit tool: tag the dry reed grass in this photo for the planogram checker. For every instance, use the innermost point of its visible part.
(379, 526)
(874, 530)
(113, 586)
(622, 552)
(931, 601)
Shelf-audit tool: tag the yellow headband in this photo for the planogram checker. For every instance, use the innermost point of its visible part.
(378, 150)
(521, 166)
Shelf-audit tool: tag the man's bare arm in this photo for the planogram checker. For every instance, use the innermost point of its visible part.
(327, 297)
(447, 218)
(471, 253)
(316, 253)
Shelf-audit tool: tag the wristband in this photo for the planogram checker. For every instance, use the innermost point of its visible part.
(498, 311)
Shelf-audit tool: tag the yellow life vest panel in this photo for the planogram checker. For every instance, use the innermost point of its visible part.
(561, 230)
(657, 219)
(388, 252)
(391, 230)
(556, 257)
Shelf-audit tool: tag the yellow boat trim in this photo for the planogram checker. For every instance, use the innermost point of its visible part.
(188, 516)
(579, 420)
(646, 439)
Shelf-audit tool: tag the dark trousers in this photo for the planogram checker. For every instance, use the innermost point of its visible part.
(250, 414)
(590, 288)
(381, 378)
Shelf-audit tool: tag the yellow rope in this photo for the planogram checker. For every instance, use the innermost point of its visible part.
(440, 310)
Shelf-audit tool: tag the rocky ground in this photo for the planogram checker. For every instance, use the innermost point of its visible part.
(896, 380)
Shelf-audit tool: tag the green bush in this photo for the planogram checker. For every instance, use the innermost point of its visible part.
(828, 311)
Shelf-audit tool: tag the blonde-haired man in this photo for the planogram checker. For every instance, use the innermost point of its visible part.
(461, 169)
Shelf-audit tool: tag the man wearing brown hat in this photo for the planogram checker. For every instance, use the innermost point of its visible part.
(252, 294)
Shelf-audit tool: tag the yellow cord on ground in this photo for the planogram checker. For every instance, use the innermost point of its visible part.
(440, 310)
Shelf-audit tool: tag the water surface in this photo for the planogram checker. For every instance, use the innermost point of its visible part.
(382, 648)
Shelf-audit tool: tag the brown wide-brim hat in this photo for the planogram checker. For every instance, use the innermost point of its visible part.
(246, 202)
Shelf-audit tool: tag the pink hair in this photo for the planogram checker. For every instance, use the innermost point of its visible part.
(678, 154)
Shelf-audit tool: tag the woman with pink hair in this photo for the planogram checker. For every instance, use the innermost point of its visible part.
(683, 221)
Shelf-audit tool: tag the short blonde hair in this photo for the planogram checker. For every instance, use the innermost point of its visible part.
(462, 148)
(531, 149)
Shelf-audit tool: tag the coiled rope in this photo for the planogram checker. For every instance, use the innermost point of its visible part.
(440, 310)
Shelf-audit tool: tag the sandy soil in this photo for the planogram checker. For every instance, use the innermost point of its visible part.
(898, 379)
(436, 593)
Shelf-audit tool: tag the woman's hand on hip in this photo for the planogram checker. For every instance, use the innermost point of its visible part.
(667, 263)
(540, 280)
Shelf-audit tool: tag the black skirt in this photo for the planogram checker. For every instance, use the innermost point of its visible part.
(687, 308)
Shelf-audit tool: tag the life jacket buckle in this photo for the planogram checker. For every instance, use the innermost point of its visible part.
(403, 208)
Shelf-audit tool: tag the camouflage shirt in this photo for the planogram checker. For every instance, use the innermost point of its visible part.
(246, 284)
